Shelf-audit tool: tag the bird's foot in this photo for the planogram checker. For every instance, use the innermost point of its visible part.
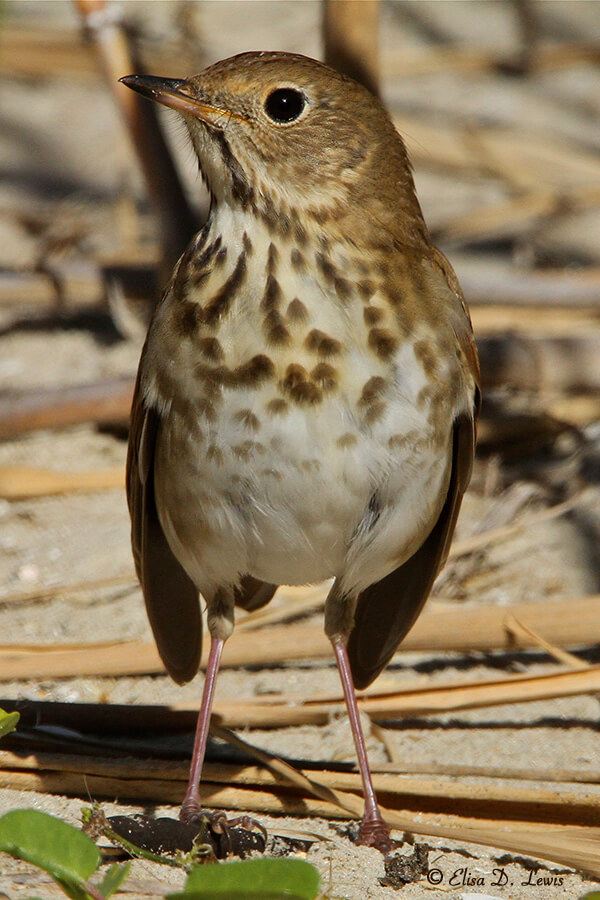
(234, 833)
(373, 832)
(191, 811)
(220, 823)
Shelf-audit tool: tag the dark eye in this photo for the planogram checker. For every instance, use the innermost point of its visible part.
(284, 105)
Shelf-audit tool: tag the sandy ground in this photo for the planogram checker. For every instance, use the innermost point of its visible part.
(74, 538)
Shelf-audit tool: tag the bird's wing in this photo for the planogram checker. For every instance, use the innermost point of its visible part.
(459, 318)
(171, 597)
(387, 610)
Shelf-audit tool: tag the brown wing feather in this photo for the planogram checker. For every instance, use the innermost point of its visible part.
(171, 597)
(387, 610)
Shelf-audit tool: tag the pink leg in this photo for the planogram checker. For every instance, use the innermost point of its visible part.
(191, 808)
(373, 830)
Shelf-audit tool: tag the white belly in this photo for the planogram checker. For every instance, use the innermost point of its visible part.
(302, 496)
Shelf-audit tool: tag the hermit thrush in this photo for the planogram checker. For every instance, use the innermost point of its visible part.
(307, 394)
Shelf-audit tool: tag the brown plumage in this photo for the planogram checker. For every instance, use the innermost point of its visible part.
(308, 391)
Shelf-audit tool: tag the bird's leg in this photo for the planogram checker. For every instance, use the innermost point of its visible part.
(191, 808)
(220, 625)
(339, 620)
(373, 830)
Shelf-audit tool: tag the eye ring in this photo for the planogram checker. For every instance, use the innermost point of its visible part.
(284, 105)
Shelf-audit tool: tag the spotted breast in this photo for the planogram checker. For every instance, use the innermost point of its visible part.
(307, 411)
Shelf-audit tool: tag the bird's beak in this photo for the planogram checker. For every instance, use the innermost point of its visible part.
(173, 92)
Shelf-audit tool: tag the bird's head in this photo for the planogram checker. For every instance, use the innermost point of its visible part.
(287, 131)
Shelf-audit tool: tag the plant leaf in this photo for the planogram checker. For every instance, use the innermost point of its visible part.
(60, 849)
(113, 879)
(73, 888)
(8, 722)
(252, 879)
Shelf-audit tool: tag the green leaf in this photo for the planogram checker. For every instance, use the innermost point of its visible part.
(113, 879)
(252, 879)
(73, 888)
(8, 722)
(60, 849)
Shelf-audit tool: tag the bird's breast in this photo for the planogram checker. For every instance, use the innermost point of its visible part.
(301, 412)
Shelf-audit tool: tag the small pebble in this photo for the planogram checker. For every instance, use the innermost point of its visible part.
(29, 573)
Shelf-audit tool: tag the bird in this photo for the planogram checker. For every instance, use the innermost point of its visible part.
(307, 395)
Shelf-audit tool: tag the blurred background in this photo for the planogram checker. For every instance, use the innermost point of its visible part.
(499, 105)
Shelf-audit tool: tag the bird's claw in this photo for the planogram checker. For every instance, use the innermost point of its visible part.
(221, 827)
(222, 824)
(375, 833)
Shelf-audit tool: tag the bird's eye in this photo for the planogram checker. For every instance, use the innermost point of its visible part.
(283, 105)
